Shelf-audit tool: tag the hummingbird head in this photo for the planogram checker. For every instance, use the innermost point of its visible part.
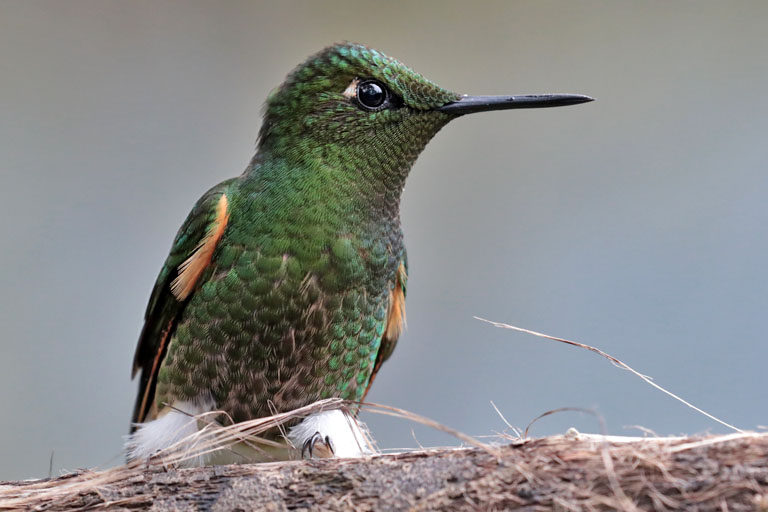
(355, 97)
(352, 106)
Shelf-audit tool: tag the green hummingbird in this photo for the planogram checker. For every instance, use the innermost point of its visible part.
(287, 284)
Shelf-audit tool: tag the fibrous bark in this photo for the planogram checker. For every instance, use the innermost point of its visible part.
(562, 473)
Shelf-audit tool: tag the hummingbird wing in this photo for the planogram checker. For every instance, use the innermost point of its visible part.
(190, 255)
(395, 321)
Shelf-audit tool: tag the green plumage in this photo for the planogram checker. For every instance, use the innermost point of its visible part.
(286, 284)
(294, 304)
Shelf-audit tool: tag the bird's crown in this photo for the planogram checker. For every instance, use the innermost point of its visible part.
(347, 93)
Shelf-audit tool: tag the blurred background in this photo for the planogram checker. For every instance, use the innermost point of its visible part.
(636, 223)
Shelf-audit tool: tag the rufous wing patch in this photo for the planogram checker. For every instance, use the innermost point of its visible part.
(194, 266)
(394, 326)
(396, 312)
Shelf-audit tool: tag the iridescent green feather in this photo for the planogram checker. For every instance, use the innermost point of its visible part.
(293, 306)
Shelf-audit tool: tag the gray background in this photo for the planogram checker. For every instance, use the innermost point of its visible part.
(636, 223)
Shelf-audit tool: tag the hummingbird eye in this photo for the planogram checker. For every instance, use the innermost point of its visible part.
(372, 95)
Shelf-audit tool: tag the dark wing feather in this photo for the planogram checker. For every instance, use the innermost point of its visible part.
(167, 302)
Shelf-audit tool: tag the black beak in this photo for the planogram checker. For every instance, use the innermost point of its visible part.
(470, 104)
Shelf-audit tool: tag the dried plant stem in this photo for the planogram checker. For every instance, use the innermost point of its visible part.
(388, 410)
(612, 359)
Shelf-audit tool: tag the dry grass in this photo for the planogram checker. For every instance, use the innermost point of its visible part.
(616, 362)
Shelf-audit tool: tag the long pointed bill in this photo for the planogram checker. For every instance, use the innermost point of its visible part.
(470, 104)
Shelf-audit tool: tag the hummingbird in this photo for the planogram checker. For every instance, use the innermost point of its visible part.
(286, 285)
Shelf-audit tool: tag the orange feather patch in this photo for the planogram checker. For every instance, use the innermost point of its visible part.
(194, 266)
(396, 313)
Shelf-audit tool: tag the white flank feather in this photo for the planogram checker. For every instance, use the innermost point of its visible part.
(173, 426)
(346, 433)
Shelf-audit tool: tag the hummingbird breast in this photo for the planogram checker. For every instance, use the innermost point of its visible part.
(288, 312)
